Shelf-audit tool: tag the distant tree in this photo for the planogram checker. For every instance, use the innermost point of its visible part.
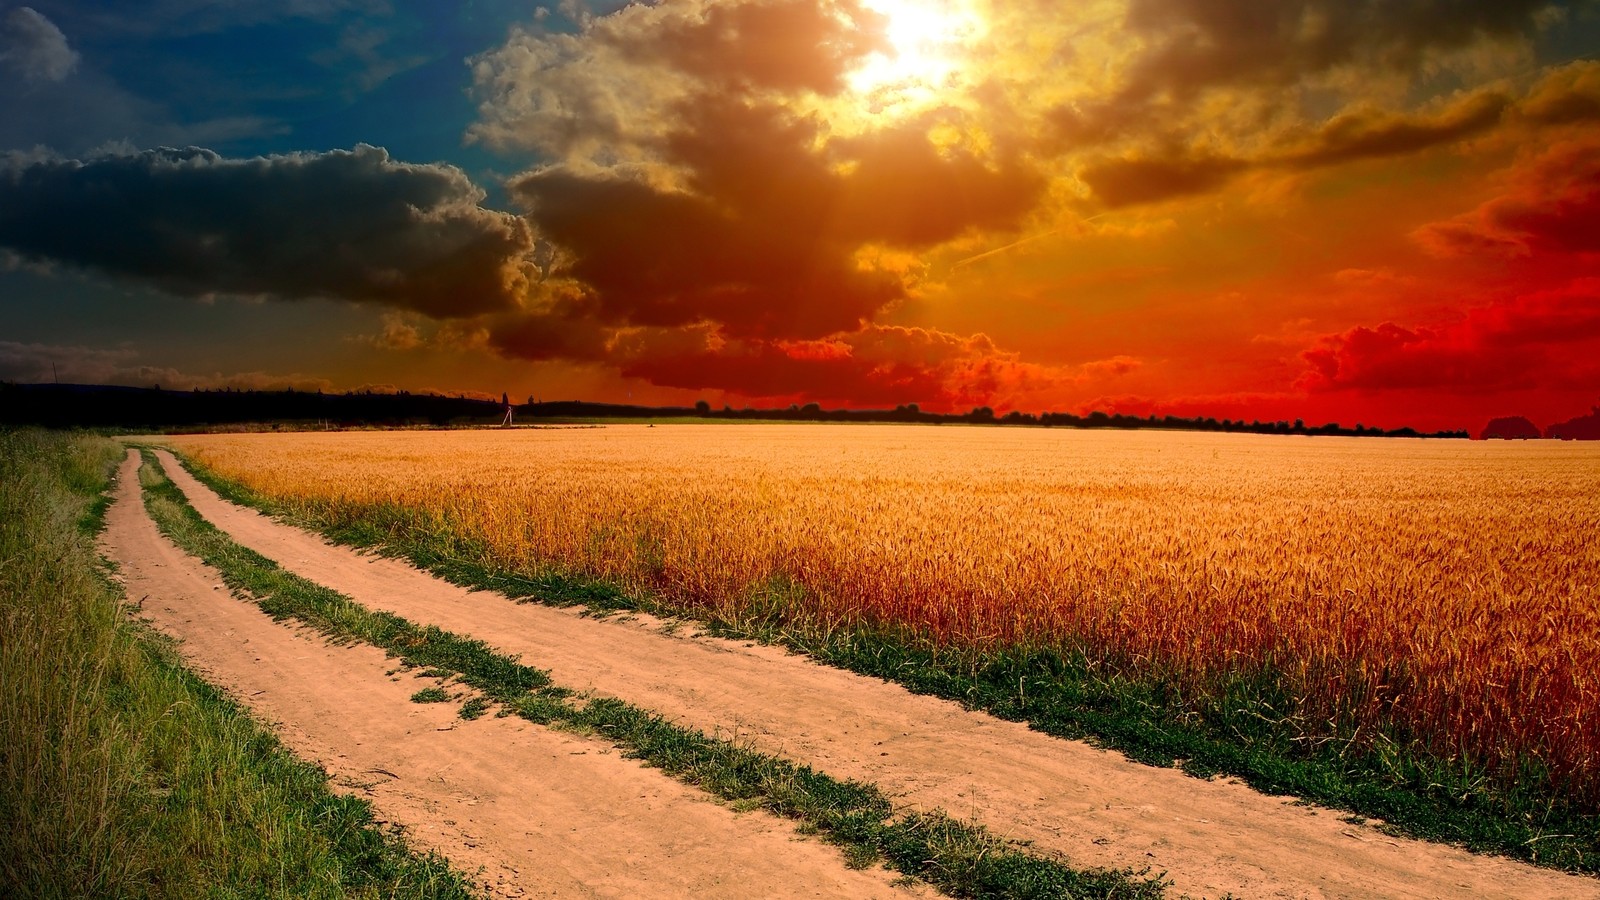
(811, 409)
(702, 408)
(1510, 428)
(1582, 428)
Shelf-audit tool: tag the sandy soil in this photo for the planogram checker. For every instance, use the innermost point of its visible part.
(1092, 807)
(539, 812)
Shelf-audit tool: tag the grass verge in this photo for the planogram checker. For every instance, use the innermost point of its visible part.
(121, 773)
(1249, 729)
(960, 859)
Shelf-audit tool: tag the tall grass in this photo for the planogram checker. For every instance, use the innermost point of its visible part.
(1380, 604)
(122, 774)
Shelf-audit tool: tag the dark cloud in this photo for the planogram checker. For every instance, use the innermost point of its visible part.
(1217, 85)
(43, 363)
(658, 257)
(33, 48)
(764, 238)
(1374, 133)
(1567, 95)
(1544, 339)
(1552, 205)
(768, 372)
(558, 333)
(1140, 179)
(345, 224)
(904, 190)
(1195, 44)
(876, 366)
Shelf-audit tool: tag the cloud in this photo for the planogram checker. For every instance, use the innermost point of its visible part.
(1551, 205)
(104, 112)
(39, 363)
(877, 365)
(1198, 92)
(33, 47)
(791, 45)
(767, 239)
(547, 335)
(693, 178)
(716, 229)
(659, 257)
(354, 225)
(1363, 131)
(719, 198)
(1141, 179)
(1373, 133)
(610, 91)
(1568, 94)
(1192, 45)
(182, 18)
(1544, 339)
(368, 45)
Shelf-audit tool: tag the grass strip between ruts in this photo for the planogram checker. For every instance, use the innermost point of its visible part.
(122, 773)
(1245, 731)
(960, 859)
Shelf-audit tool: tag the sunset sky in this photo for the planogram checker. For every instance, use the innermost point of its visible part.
(1375, 211)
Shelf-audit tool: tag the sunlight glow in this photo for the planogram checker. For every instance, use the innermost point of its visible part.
(928, 42)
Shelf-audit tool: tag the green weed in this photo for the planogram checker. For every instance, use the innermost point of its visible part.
(121, 773)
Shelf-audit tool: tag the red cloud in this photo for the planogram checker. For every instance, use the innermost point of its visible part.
(1546, 339)
(1552, 206)
(875, 366)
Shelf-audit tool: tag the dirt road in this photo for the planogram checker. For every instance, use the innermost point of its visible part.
(1092, 807)
(541, 813)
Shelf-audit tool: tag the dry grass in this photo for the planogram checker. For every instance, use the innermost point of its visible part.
(1446, 588)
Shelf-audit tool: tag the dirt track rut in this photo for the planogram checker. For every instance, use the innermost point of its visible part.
(1092, 807)
(539, 812)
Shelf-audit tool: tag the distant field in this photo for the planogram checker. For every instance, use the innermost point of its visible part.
(1444, 592)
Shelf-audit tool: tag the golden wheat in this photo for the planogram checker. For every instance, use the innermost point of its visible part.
(1450, 587)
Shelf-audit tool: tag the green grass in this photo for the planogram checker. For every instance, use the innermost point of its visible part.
(1249, 728)
(121, 773)
(961, 859)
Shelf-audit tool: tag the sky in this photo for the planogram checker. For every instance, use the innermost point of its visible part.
(1383, 212)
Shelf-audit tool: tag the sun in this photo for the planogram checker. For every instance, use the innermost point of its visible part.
(928, 41)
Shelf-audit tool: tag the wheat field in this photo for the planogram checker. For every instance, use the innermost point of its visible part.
(1447, 587)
